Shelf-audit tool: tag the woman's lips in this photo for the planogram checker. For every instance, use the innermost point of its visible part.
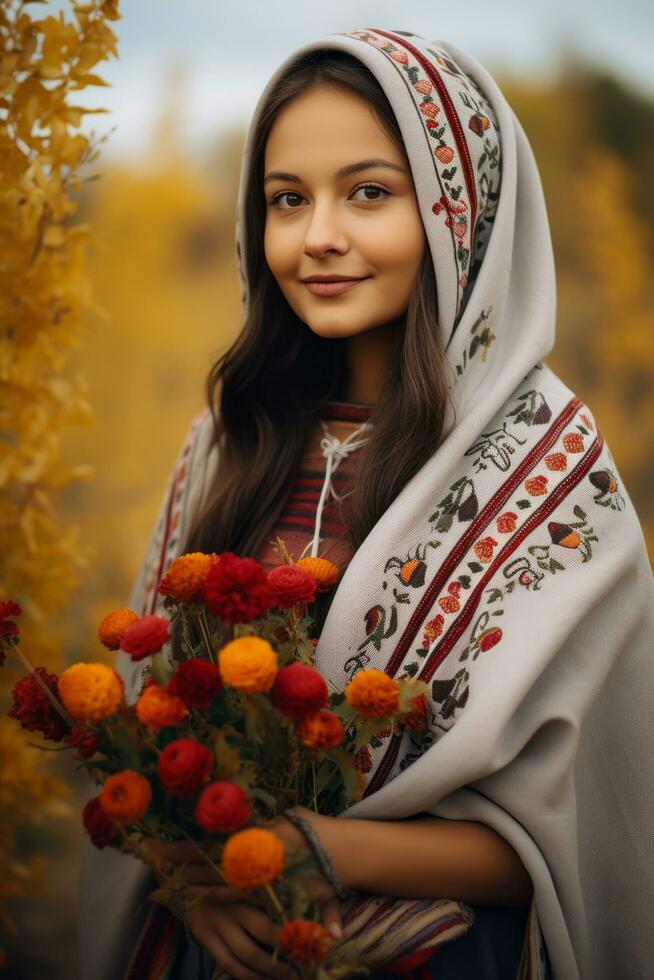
(333, 288)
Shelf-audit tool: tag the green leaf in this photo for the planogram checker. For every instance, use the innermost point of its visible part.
(578, 512)
(522, 504)
(474, 566)
(464, 580)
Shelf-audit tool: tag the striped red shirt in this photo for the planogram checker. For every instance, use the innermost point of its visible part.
(296, 523)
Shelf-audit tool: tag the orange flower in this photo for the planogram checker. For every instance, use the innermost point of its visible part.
(325, 572)
(249, 664)
(252, 857)
(184, 579)
(114, 624)
(320, 730)
(301, 939)
(157, 708)
(125, 797)
(373, 693)
(91, 692)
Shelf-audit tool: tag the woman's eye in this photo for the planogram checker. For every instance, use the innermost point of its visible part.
(371, 187)
(274, 200)
(376, 190)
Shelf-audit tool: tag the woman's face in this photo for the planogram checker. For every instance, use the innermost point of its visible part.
(365, 223)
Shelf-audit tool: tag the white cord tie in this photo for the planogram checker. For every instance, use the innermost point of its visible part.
(335, 451)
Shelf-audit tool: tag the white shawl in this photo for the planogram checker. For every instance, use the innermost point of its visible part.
(511, 571)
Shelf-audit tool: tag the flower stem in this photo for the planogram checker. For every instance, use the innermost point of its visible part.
(56, 704)
(204, 629)
(315, 794)
(277, 904)
(215, 867)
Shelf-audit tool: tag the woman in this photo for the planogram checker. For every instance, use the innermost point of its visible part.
(485, 540)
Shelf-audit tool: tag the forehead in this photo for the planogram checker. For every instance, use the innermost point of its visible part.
(325, 127)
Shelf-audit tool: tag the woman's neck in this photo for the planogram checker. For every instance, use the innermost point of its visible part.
(369, 356)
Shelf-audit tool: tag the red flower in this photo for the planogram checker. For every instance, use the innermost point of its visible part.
(223, 807)
(183, 766)
(7, 608)
(299, 689)
(290, 584)
(484, 548)
(236, 589)
(489, 638)
(196, 682)
(145, 637)
(98, 825)
(34, 710)
(84, 740)
(506, 522)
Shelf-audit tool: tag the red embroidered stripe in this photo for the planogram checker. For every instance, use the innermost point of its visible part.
(462, 621)
(315, 478)
(453, 120)
(549, 504)
(479, 524)
(292, 521)
(162, 555)
(347, 411)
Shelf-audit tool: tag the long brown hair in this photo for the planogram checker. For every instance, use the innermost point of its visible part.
(267, 390)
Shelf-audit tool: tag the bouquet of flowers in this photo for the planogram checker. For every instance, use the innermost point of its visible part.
(224, 739)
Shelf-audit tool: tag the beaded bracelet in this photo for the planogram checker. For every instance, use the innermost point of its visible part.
(323, 858)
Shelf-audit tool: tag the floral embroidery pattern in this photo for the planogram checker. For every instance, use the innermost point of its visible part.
(481, 340)
(466, 205)
(458, 603)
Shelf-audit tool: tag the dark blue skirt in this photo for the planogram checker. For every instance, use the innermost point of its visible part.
(490, 950)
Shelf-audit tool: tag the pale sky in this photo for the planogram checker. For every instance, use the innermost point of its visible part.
(226, 51)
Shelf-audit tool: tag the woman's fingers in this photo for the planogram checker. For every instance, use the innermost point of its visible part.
(181, 852)
(221, 953)
(239, 928)
(331, 917)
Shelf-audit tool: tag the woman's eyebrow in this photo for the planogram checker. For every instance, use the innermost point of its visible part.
(350, 168)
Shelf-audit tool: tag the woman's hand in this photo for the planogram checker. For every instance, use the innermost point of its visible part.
(316, 887)
(228, 933)
(198, 872)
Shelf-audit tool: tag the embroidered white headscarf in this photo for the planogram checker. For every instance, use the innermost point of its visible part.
(511, 571)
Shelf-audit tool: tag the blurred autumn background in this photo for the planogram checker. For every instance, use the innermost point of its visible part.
(119, 289)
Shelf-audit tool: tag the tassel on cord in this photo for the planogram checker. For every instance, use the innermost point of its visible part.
(335, 450)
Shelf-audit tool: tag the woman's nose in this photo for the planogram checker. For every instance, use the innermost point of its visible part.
(324, 231)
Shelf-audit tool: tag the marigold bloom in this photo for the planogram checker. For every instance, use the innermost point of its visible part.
(222, 807)
(157, 707)
(33, 708)
(186, 576)
(91, 692)
(184, 766)
(146, 636)
(290, 584)
(99, 827)
(252, 857)
(298, 689)
(320, 730)
(324, 572)
(197, 682)
(249, 664)
(373, 693)
(125, 797)
(114, 624)
(7, 626)
(236, 589)
(301, 939)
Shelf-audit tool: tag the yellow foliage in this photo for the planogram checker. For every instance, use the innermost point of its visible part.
(45, 302)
